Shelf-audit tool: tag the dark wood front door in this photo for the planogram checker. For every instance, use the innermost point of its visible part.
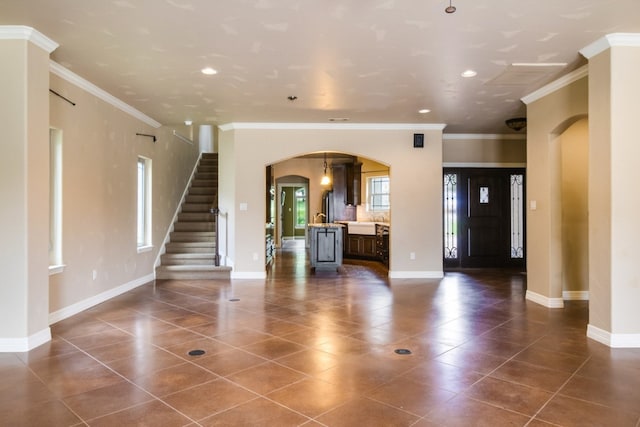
(486, 209)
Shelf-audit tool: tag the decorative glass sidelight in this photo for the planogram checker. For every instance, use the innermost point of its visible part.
(450, 216)
(517, 216)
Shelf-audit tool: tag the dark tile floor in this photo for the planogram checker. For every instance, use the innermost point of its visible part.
(319, 349)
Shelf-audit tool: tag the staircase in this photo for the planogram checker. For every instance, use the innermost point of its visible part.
(190, 252)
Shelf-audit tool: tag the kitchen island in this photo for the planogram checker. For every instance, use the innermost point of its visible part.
(326, 245)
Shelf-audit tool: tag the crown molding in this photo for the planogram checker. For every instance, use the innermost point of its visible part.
(610, 40)
(555, 85)
(22, 32)
(75, 79)
(331, 126)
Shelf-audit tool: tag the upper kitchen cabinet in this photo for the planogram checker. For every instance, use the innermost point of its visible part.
(346, 183)
(354, 171)
(346, 190)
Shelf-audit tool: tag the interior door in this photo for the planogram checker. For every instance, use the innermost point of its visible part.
(487, 219)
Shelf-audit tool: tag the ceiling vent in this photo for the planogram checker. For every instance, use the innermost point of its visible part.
(520, 74)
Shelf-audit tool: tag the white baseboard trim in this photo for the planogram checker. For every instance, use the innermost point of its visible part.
(575, 295)
(80, 306)
(248, 275)
(19, 345)
(613, 340)
(416, 274)
(545, 301)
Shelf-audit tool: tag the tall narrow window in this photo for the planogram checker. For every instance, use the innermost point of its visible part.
(517, 216)
(144, 203)
(301, 208)
(450, 216)
(378, 193)
(55, 200)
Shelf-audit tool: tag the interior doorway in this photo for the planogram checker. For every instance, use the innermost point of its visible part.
(484, 218)
(292, 210)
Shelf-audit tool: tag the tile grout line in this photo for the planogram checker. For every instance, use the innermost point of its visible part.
(559, 389)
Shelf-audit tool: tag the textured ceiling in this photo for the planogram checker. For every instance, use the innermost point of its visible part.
(370, 61)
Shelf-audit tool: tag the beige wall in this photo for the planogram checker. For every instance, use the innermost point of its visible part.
(574, 146)
(416, 191)
(491, 150)
(100, 150)
(548, 117)
(24, 177)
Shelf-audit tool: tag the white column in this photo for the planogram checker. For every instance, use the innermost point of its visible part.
(24, 188)
(614, 202)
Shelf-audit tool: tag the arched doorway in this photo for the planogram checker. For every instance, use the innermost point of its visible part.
(570, 145)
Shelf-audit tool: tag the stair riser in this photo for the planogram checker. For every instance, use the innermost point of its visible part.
(202, 191)
(207, 169)
(188, 261)
(196, 207)
(190, 237)
(194, 226)
(197, 217)
(192, 250)
(191, 198)
(206, 176)
(195, 275)
(206, 183)
(208, 164)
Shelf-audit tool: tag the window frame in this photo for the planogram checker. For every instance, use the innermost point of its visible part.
(300, 221)
(371, 183)
(143, 204)
(56, 264)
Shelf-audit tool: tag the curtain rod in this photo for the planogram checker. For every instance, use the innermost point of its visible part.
(66, 99)
(146, 134)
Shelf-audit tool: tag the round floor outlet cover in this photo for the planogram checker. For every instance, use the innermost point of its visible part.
(403, 351)
(196, 352)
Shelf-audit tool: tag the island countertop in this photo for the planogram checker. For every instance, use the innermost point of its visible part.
(326, 225)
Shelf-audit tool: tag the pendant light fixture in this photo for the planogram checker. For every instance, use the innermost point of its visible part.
(450, 9)
(325, 178)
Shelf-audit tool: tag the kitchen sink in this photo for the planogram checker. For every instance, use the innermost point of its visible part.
(362, 227)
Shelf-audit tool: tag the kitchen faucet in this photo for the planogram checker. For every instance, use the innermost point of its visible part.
(318, 215)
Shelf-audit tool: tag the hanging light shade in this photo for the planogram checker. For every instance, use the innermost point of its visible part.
(450, 8)
(325, 178)
(517, 123)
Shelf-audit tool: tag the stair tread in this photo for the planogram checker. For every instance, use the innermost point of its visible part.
(189, 255)
(193, 267)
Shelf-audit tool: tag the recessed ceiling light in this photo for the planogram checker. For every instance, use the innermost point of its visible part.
(469, 73)
(424, 111)
(209, 71)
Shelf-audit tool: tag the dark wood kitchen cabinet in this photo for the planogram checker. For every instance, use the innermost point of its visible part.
(346, 190)
(361, 246)
(353, 184)
(382, 243)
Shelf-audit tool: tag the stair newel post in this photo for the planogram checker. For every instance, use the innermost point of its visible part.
(216, 254)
